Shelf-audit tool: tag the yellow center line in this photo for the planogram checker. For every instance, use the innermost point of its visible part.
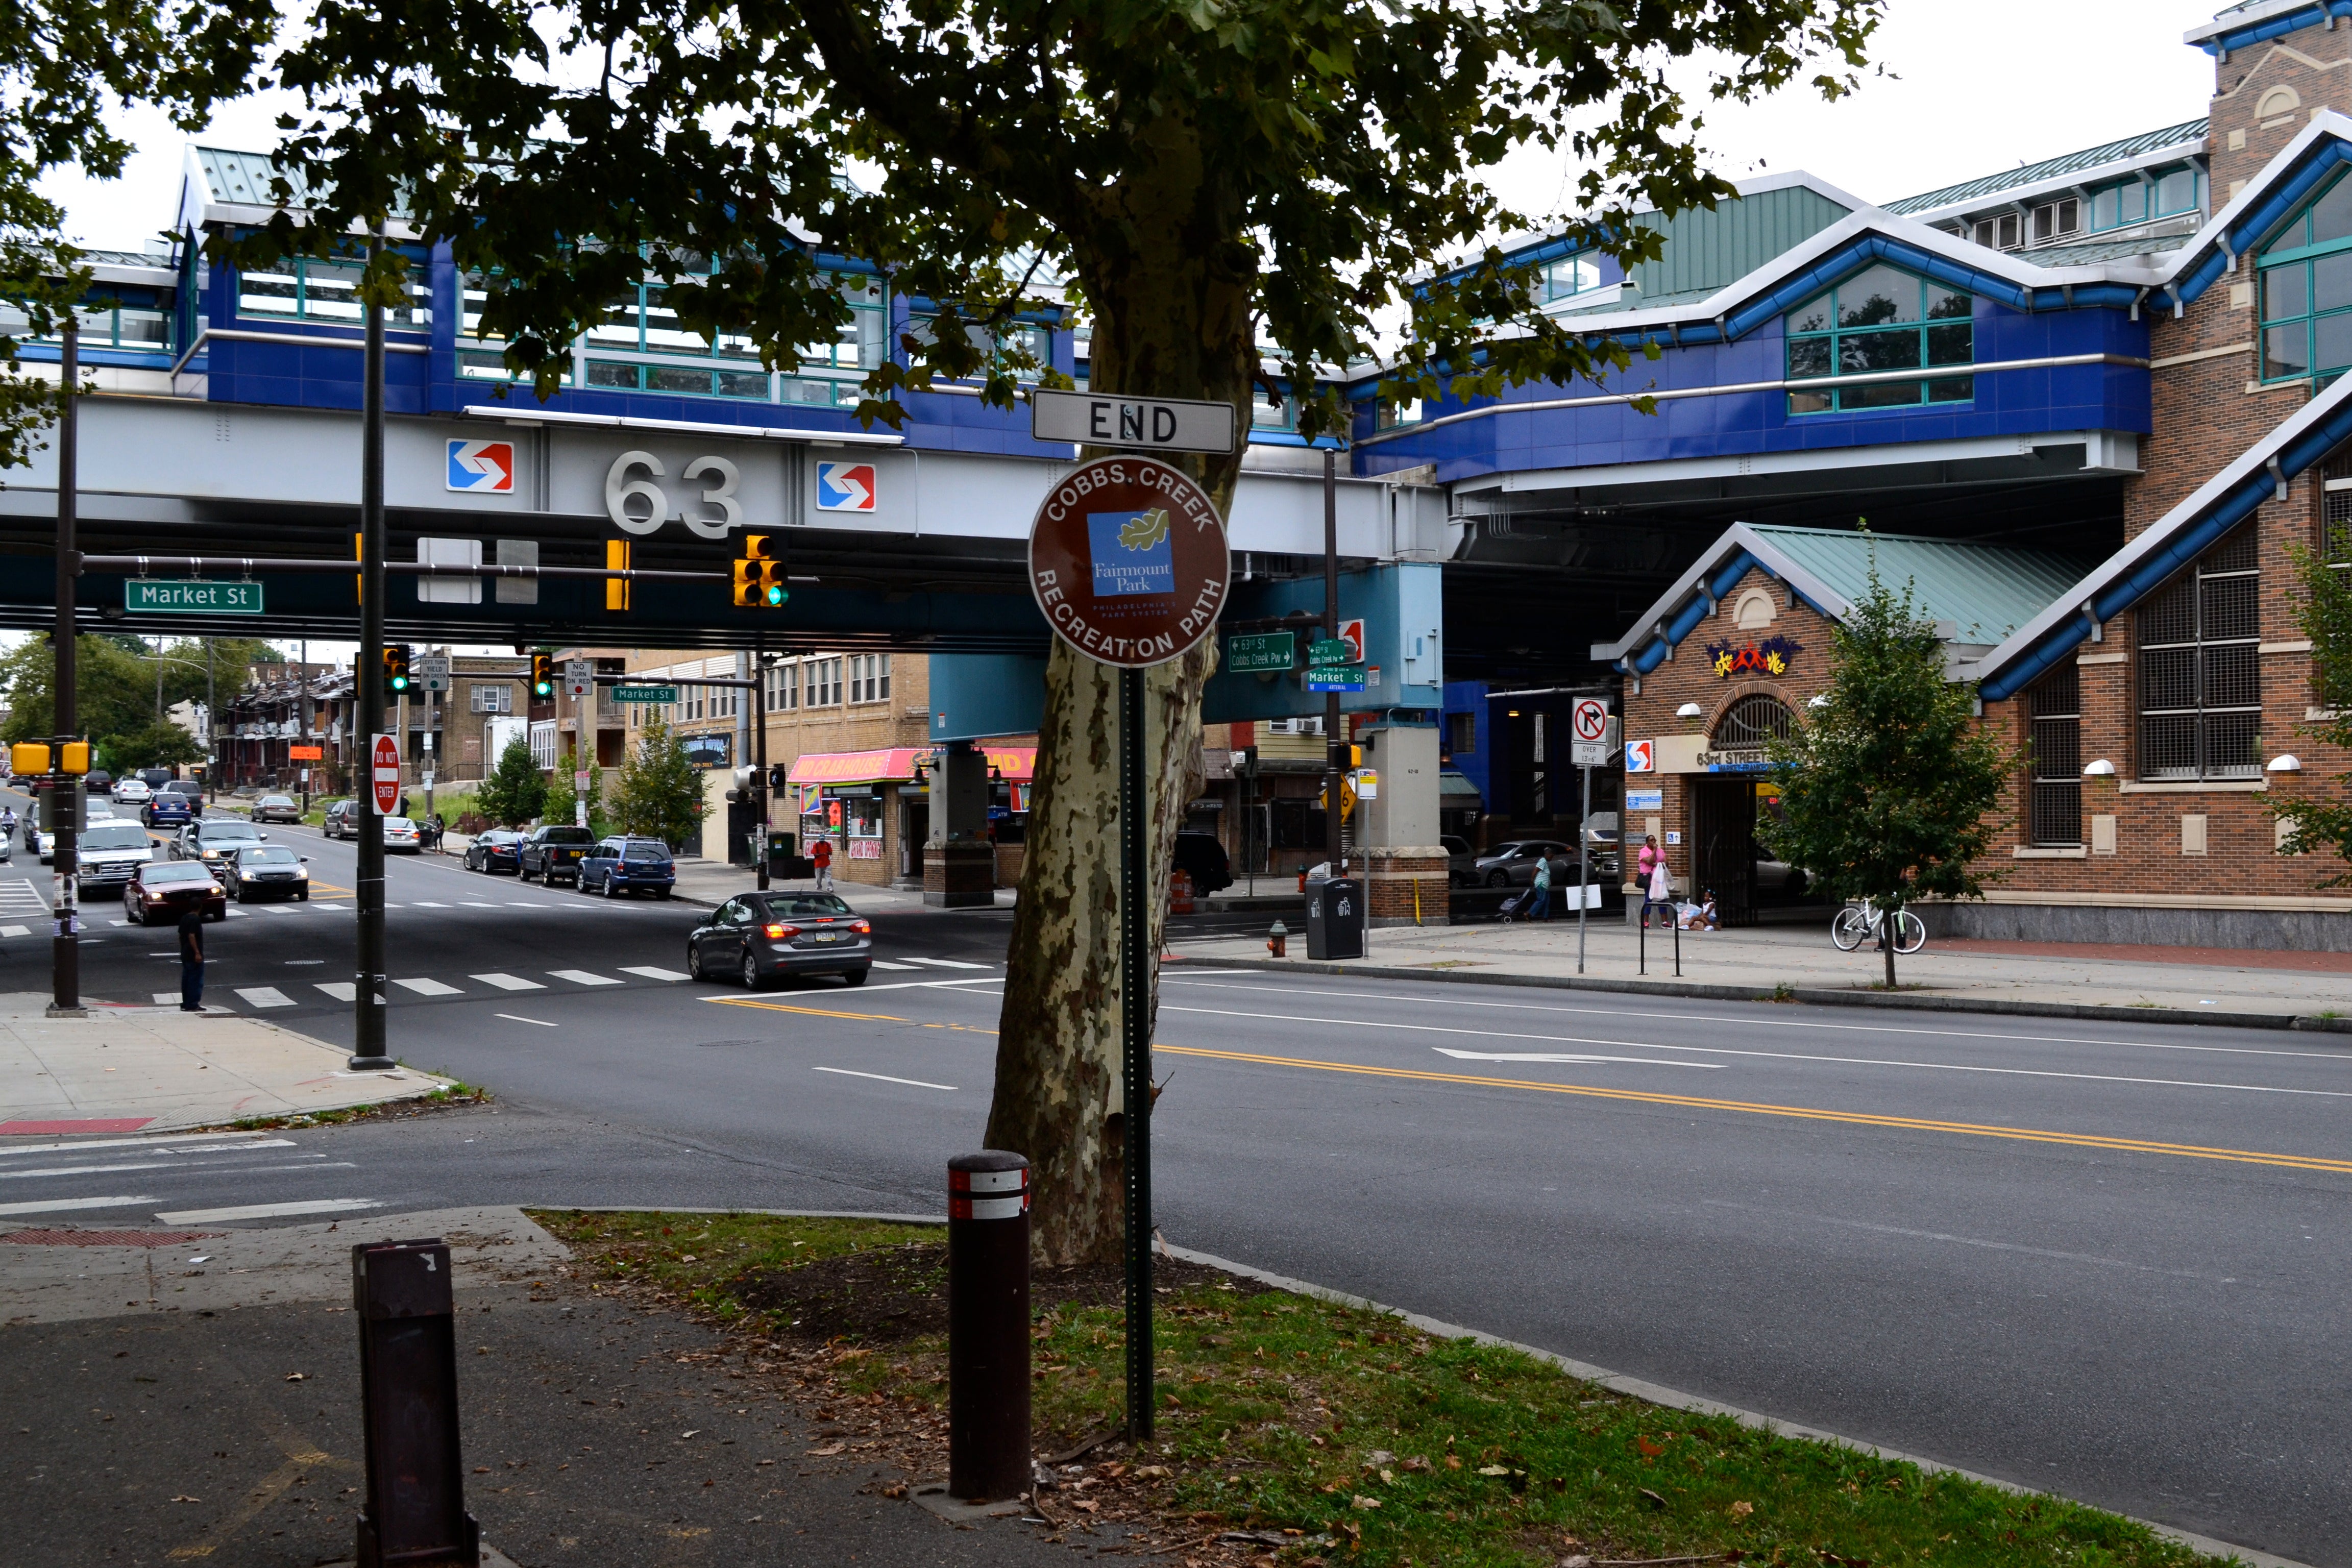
(812, 1012)
(1812, 1114)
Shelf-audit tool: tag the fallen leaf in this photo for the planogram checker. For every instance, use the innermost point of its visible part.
(1388, 1478)
(1741, 1509)
(900, 1490)
(1649, 1450)
(1653, 1498)
(185, 1498)
(1359, 1500)
(1453, 1462)
(826, 1452)
(1493, 1469)
(296, 1377)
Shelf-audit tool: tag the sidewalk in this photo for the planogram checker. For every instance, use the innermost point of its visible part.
(1798, 962)
(155, 1069)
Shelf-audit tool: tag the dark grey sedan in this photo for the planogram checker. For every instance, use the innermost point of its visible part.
(759, 937)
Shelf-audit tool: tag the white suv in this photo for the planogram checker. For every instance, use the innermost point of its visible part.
(133, 792)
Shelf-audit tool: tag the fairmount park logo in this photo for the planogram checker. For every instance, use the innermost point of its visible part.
(1132, 553)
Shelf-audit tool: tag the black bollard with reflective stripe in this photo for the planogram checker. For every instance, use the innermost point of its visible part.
(415, 1512)
(988, 1326)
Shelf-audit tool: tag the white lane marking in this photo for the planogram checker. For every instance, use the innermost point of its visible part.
(59, 1205)
(430, 987)
(935, 984)
(1775, 1055)
(886, 1077)
(535, 904)
(516, 982)
(1563, 1057)
(582, 977)
(347, 905)
(16, 930)
(949, 963)
(1973, 1241)
(123, 923)
(1450, 1003)
(519, 1018)
(348, 990)
(266, 1211)
(175, 1139)
(172, 998)
(424, 904)
(86, 1170)
(477, 904)
(270, 996)
(885, 963)
(652, 973)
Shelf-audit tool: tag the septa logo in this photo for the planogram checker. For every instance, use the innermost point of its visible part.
(1352, 634)
(486, 466)
(1641, 757)
(844, 487)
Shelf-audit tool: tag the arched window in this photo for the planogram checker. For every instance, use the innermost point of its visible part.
(1849, 345)
(1750, 721)
(2307, 277)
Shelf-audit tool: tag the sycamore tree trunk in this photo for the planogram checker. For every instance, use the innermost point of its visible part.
(1164, 269)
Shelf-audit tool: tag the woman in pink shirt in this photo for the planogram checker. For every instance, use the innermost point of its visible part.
(1649, 859)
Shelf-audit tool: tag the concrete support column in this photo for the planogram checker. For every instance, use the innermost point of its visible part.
(958, 862)
(1404, 864)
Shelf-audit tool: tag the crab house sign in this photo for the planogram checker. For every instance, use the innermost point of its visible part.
(1127, 559)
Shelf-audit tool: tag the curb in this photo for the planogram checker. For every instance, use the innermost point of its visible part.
(1812, 995)
(1633, 1387)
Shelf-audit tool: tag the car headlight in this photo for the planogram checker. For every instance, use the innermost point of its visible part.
(245, 876)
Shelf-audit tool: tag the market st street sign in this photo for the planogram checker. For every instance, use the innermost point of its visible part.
(1150, 424)
(170, 597)
(657, 694)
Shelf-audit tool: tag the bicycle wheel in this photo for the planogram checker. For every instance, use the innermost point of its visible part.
(1910, 933)
(1849, 929)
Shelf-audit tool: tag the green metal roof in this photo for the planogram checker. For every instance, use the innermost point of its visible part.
(1984, 591)
(2092, 251)
(1707, 248)
(2052, 168)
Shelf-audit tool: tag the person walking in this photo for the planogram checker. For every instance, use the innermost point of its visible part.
(192, 962)
(1541, 909)
(821, 856)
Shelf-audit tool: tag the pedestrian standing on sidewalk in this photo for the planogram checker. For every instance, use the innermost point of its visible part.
(1648, 863)
(1660, 882)
(821, 855)
(1541, 909)
(192, 962)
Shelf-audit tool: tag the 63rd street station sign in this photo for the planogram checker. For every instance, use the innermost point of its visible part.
(1127, 559)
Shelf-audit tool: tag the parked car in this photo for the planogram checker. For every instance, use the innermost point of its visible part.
(166, 889)
(133, 791)
(401, 834)
(1514, 864)
(1200, 857)
(214, 842)
(759, 937)
(626, 865)
(1461, 861)
(269, 871)
(277, 808)
(167, 810)
(106, 856)
(495, 849)
(553, 853)
(339, 818)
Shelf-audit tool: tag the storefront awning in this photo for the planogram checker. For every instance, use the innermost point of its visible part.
(897, 765)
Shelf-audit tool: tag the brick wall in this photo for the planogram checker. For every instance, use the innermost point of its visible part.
(2290, 77)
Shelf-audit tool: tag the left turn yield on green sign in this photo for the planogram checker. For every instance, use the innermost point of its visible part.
(191, 597)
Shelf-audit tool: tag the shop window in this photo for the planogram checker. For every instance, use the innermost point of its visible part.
(2306, 292)
(2201, 675)
(1751, 721)
(1870, 328)
(2054, 814)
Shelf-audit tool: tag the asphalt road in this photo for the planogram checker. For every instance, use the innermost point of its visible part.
(2107, 1261)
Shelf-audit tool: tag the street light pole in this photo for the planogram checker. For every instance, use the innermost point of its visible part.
(1334, 753)
(65, 942)
(367, 992)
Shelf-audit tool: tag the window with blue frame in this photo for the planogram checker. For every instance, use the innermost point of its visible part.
(1566, 278)
(1851, 344)
(305, 289)
(2306, 292)
(641, 346)
(126, 327)
(1033, 339)
(1274, 411)
(2167, 192)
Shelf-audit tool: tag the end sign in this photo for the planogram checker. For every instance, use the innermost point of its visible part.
(1143, 423)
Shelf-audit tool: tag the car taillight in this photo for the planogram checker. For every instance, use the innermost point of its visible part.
(781, 932)
(863, 928)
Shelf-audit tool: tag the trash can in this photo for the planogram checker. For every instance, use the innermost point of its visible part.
(784, 860)
(1335, 919)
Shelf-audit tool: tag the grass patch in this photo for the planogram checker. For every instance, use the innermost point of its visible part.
(456, 1094)
(1332, 1433)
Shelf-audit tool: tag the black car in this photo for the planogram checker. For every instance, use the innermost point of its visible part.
(631, 866)
(216, 842)
(495, 849)
(554, 854)
(759, 937)
(268, 872)
(166, 889)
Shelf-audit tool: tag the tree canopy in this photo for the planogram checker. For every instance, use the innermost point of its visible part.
(513, 792)
(661, 793)
(115, 681)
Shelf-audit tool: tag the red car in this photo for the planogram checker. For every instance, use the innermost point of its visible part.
(166, 889)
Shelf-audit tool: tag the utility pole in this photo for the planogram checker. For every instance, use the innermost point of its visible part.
(304, 666)
(65, 940)
(1335, 740)
(368, 1053)
(759, 749)
(212, 725)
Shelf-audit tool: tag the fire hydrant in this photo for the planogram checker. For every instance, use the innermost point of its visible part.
(1278, 941)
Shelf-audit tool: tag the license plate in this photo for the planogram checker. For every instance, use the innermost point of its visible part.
(827, 936)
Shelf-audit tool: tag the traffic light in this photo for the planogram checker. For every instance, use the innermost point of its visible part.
(542, 677)
(759, 580)
(395, 669)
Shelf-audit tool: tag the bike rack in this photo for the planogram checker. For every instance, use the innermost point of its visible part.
(1643, 940)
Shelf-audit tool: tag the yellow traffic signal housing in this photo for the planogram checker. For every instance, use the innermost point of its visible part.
(616, 589)
(759, 580)
(395, 669)
(542, 677)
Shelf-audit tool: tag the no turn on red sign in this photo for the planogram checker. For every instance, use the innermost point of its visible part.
(384, 764)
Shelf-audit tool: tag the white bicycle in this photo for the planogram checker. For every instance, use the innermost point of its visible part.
(1855, 925)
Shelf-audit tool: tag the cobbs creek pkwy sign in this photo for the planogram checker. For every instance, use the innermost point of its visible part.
(1128, 560)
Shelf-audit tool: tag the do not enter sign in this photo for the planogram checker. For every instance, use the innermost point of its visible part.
(1127, 559)
(384, 755)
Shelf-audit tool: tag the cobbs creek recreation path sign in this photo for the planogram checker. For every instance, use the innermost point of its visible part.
(1128, 560)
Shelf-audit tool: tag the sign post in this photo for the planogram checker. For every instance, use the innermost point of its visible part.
(1588, 748)
(1128, 560)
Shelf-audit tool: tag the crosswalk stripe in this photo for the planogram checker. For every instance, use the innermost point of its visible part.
(428, 987)
(652, 973)
(16, 930)
(950, 964)
(267, 1211)
(59, 1205)
(349, 991)
(582, 977)
(265, 996)
(347, 905)
(172, 998)
(885, 963)
(288, 908)
(237, 914)
(510, 983)
(127, 922)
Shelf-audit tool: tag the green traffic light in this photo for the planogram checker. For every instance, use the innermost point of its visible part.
(776, 596)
